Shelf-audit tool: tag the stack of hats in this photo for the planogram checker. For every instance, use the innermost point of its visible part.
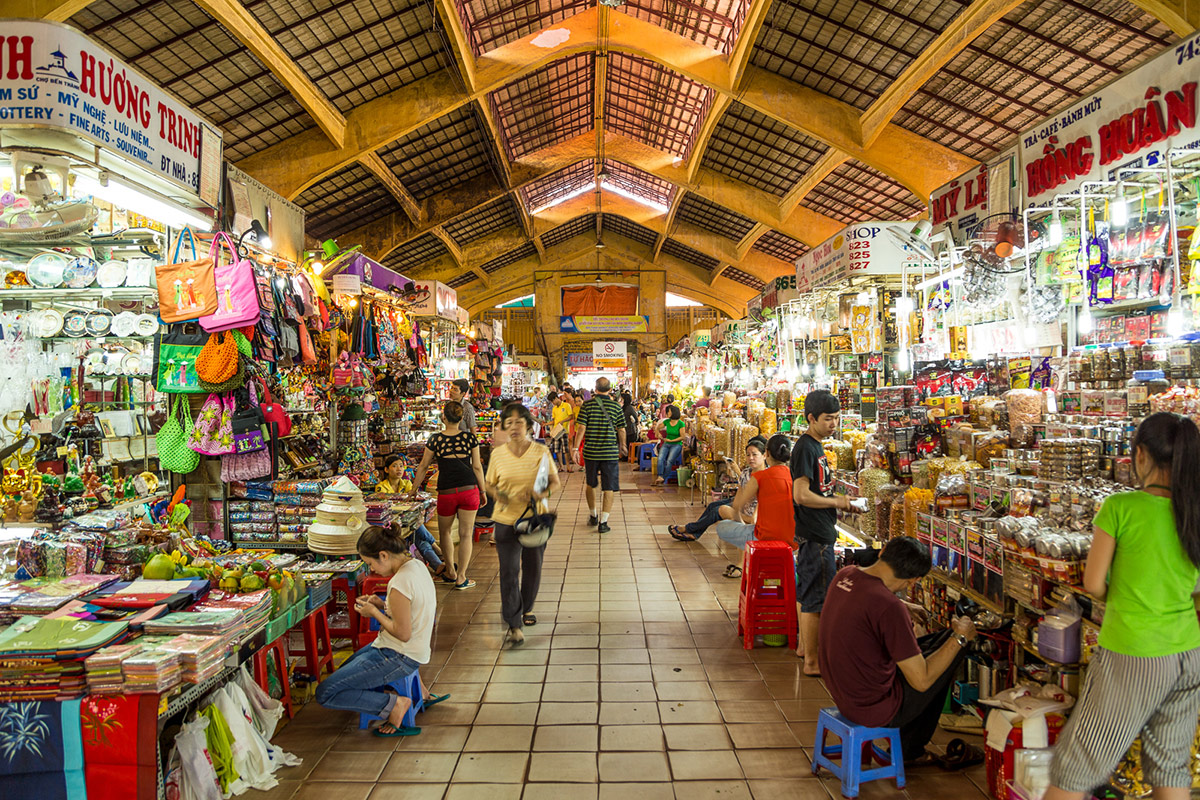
(341, 517)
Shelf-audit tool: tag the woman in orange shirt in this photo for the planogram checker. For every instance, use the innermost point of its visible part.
(772, 487)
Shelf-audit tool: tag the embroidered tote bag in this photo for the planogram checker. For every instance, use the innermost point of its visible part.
(186, 289)
(237, 293)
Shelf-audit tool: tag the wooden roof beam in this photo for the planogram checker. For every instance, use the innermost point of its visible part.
(53, 10)
(236, 19)
(1181, 16)
(298, 161)
(374, 164)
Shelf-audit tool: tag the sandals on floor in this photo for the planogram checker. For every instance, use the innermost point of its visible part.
(733, 571)
(529, 619)
(401, 730)
(960, 755)
(434, 699)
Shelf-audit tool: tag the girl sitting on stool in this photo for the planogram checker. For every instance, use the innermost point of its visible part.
(405, 627)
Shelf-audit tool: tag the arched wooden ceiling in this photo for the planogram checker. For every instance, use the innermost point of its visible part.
(459, 138)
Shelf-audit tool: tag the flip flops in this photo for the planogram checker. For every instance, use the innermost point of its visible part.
(678, 534)
(960, 755)
(434, 699)
(529, 619)
(401, 730)
(733, 571)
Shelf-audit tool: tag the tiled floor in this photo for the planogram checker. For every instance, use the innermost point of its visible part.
(633, 683)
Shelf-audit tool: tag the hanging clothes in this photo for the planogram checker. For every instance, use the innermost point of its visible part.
(119, 746)
(41, 751)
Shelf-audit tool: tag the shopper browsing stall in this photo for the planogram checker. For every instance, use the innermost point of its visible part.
(512, 475)
(718, 510)
(1144, 679)
(561, 414)
(631, 417)
(460, 392)
(878, 672)
(706, 400)
(600, 428)
(394, 483)
(405, 620)
(460, 485)
(672, 430)
(815, 514)
(772, 489)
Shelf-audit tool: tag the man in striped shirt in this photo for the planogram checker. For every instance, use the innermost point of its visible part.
(601, 427)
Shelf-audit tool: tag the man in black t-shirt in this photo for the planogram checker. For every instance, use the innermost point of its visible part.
(815, 509)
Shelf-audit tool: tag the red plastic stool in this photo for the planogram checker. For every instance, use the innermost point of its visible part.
(372, 584)
(350, 592)
(483, 530)
(315, 627)
(279, 651)
(767, 604)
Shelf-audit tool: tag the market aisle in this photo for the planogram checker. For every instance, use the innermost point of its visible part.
(633, 673)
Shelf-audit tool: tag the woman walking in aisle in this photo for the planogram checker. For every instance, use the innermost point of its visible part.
(562, 415)
(772, 488)
(405, 620)
(756, 450)
(672, 430)
(513, 472)
(1145, 677)
(460, 487)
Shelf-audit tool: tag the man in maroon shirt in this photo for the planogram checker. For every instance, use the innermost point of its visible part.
(879, 674)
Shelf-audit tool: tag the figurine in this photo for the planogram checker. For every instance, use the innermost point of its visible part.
(28, 507)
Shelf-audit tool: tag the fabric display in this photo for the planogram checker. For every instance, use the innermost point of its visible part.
(42, 746)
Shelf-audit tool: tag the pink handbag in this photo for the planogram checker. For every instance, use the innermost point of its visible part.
(237, 295)
(212, 433)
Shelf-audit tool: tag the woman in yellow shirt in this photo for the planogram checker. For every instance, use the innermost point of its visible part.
(562, 416)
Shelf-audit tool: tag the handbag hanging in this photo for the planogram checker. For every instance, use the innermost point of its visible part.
(218, 360)
(237, 298)
(248, 425)
(173, 451)
(212, 434)
(175, 357)
(186, 289)
(275, 413)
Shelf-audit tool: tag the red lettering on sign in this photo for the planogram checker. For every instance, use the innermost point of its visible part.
(19, 52)
(1059, 165)
(1148, 125)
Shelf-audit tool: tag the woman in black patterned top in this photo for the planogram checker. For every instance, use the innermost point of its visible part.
(460, 487)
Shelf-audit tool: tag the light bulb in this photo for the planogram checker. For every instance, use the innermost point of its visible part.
(1055, 233)
(1085, 320)
(1175, 325)
(1120, 208)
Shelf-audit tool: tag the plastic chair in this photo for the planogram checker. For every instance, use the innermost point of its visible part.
(645, 455)
(767, 603)
(408, 686)
(349, 591)
(278, 650)
(315, 627)
(856, 751)
(483, 530)
(368, 628)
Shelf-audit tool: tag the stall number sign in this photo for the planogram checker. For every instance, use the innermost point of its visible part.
(608, 355)
(52, 76)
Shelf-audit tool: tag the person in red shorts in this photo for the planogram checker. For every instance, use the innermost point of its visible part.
(460, 486)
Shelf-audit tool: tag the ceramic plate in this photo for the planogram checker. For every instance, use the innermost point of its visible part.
(147, 325)
(124, 324)
(75, 323)
(94, 360)
(46, 271)
(131, 364)
(81, 272)
(111, 274)
(49, 323)
(99, 322)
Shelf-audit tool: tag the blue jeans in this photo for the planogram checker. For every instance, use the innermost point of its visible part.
(358, 684)
(711, 516)
(668, 454)
(423, 540)
(735, 532)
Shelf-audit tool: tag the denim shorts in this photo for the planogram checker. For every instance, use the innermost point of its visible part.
(605, 473)
(815, 568)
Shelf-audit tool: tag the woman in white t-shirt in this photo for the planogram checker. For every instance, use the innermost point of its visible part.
(405, 626)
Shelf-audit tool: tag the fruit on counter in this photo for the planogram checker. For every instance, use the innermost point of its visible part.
(229, 584)
(160, 567)
(252, 583)
(259, 566)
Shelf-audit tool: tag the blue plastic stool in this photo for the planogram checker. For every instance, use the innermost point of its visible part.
(645, 454)
(856, 751)
(408, 686)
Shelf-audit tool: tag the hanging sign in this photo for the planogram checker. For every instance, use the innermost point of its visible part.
(1131, 122)
(435, 299)
(609, 355)
(961, 203)
(579, 360)
(863, 249)
(608, 324)
(53, 76)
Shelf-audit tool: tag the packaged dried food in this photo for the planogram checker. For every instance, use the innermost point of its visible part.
(1024, 411)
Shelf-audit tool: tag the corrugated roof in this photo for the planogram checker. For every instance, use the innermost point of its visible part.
(647, 102)
(445, 153)
(346, 199)
(546, 107)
